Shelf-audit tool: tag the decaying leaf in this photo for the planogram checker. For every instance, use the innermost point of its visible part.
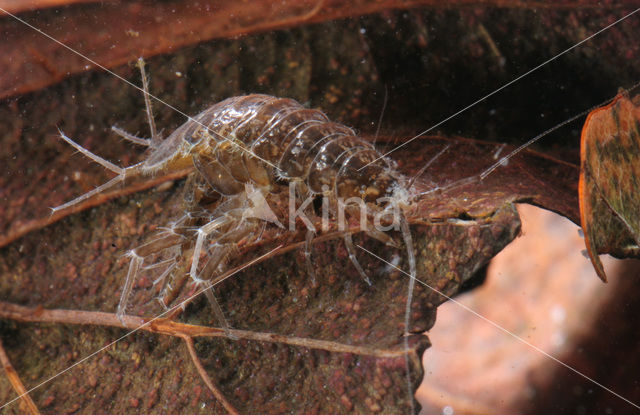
(610, 181)
(139, 27)
(350, 356)
(272, 297)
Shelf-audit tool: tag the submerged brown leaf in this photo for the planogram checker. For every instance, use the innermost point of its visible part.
(353, 358)
(610, 181)
(140, 28)
(83, 271)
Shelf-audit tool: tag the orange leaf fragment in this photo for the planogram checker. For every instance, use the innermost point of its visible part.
(609, 188)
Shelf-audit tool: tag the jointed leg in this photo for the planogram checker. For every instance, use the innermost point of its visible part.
(137, 258)
(348, 241)
(175, 285)
(408, 241)
(217, 310)
(203, 233)
(162, 279)
(134, 267)
(217, 257)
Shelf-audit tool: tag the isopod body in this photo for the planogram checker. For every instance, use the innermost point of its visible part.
(259, 139)
(244, 149)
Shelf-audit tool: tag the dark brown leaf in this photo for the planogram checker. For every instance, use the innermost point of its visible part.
(333, 66)
(140, 28)
(529, 177)
(433, 62)
(84, 271)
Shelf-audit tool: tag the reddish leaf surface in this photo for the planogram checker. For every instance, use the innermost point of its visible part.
(84, 271)
(342, 67)
(332, 66)
(610, 181)
(141, 28)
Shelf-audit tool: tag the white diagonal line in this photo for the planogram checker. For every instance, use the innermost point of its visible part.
(504, 86)
(498, 326)
(147, 94)
(138, 328)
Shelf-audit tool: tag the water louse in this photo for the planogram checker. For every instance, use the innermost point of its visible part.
(243, 149)
(183, 227)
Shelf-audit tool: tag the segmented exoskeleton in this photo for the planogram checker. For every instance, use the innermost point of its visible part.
(243, 149)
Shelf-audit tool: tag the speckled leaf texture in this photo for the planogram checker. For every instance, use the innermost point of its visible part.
(610, 181)
(388, 69)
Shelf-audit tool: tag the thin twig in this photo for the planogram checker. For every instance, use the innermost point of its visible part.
(172, 328)
(17, 383)
(205, 377)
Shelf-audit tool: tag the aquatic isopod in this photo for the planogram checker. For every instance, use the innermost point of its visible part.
(243, 150)
(232, 185)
